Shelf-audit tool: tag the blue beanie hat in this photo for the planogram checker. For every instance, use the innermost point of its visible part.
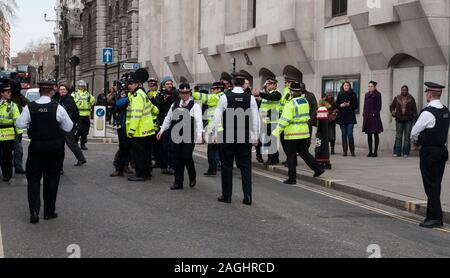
(165, 80)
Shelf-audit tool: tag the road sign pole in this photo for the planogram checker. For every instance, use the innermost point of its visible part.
(106, 80)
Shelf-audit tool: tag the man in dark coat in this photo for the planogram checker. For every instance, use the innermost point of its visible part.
(68, 103)
(313, 106)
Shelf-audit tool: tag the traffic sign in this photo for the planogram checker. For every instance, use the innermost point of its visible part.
(131, 66)
(108, 55)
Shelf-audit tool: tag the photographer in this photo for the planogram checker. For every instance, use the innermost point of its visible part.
(164, 100)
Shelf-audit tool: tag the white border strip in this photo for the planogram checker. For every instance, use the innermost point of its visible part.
(2, 255)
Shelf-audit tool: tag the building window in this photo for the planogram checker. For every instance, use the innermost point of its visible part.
(339, 8)
(334, 83)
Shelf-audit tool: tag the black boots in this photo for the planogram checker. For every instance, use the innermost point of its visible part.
(345, 148)
(352, 150)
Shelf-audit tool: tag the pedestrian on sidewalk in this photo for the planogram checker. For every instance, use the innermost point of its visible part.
(431, 132)
(190, 132)
(47, 122)
(347, 104)
(67, 102)
(330, 103)
(373, 126)
(294, 124)
(404, 111)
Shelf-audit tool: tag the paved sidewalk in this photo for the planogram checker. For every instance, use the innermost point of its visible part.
(388, 180)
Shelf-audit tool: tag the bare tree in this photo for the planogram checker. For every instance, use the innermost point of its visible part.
(8, 8)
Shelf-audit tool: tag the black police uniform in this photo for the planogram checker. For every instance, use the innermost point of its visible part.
(232, 149)
(433, 159)
(45, 155)
(184, 150)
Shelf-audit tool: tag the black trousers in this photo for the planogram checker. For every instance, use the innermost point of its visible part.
(167, 151)
(155, 146)
(73, 146)
(243, 155)
(84, 126)
(301, 147)
(213, 157)
(141, 156)
(44, 161)
(123, 155)
(432, 166)
(6, 149)
(184, 159)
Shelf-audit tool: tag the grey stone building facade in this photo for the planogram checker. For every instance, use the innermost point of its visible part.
(87, 27)
(322, 42)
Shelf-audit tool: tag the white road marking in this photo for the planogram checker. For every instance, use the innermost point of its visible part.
(339, 198)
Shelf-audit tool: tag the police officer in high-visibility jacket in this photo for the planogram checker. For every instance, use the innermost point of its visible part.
(294, 124)
(155, 144)
(9, 113)
(211, 100)
(288, 80)
(85, 102)
(269, 110)
(139, 127)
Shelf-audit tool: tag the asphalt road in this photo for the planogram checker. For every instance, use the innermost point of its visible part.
(112, 218)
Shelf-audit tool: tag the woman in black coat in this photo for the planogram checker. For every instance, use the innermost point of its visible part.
(373, 125)
(347, 103)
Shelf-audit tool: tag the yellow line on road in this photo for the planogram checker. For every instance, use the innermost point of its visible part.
(342, 199)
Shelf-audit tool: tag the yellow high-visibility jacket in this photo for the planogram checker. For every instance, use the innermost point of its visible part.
(139, 115)
(9, 113)
(294, 120)
(84, 101)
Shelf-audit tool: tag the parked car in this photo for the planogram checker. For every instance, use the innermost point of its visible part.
(32, 94)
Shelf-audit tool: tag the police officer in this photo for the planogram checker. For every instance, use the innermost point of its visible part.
(233, 147)
(155, 144)
(9, 112)
(211, 100)
(190, 133)
(47, 123)
(85, 101)
(294, 124)
(140, 128)
(271, 98)
(431, 132)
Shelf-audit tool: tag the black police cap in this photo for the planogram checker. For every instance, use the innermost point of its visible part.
(296, 87)
(185, 88)
(239, 75)
(272, 80)
(434, 87)
(218, 85)
(4, 87)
